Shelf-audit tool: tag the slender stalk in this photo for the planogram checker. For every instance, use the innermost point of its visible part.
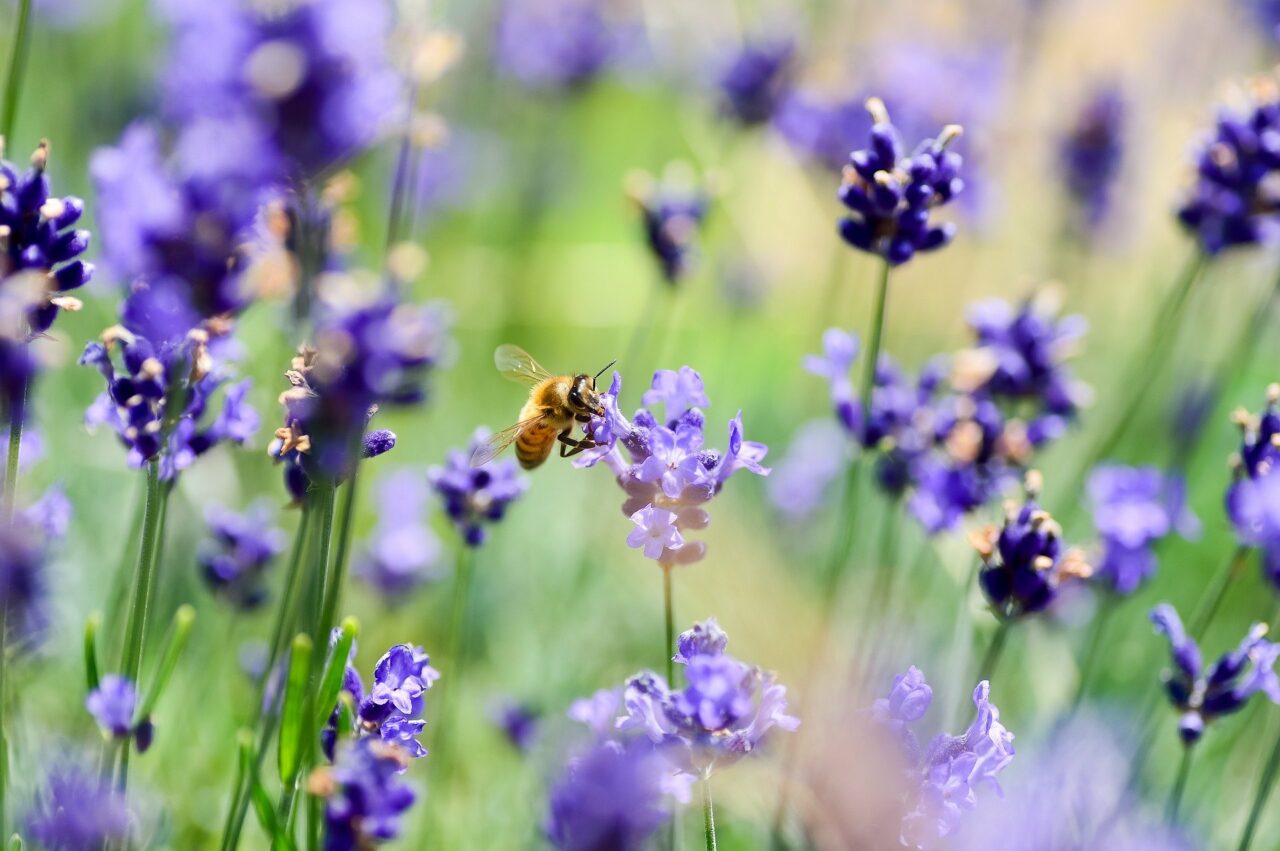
(996, 650)
(1090, 660)
(1179, 787)
(15, 450)
(400, 182)
(1260, 795)
(961, 655)
(708, 813)
(4, 720)
(669, 642)
(333, 584)
(639, 334)
(879, 600)
(144, 575)
(872, 356)
(17, 69)
(1222, 582)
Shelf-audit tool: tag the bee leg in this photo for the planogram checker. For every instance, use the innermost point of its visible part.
(577, 445)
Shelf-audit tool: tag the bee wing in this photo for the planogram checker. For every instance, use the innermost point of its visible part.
(495, 445)
(518, 365)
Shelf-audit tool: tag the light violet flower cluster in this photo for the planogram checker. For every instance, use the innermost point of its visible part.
(665, 470)
(403, 552)
(392, 709)
(1253, 498)
(1134, 508)
(944, 779)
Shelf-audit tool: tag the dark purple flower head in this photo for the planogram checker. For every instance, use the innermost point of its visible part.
(672, 212)
(159, 396)
(613, 797)
(518, 722)
(38, 237)
(663, 466)
(753, 83)
(945, 776)
(235, 557)
(1024, 563)
(366, 796)
(403, 552)
(113, 704)
(890, 196)
(313, 79)
(556, 44)
(1234, 199)
(365, 357)
(1090, 156)
(1201, 696)
(76, 810)
(1253, 497)
(1134, 508)
(475, 497)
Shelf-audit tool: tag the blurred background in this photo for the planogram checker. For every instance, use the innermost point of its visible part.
(531, 239)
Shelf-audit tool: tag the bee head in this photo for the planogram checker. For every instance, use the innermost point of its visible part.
(583, 397)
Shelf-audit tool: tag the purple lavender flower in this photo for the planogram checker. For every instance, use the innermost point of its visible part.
(666, 472)
(754, 82)
(403, 552)
(518, 723)
(37, 236)
(112, 704)
(1234, 199)
(137, 407)
(890, 196)
(821, 128)
(1023, 563)
(701, 639)
(24, 588)
(802, 479)
(474, 497)
(365, 357)
(613, 797)
(76, 810)
(366, 796)
(555, 44)
(1133, 509)
(946, 776)
(235, 557)
(1090, 155)
(1253, 498)
(1201, 697)
(672, 212)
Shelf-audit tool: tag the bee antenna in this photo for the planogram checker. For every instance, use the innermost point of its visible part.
(606, 366)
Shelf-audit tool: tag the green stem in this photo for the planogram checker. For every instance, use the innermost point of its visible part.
(1179, 787)
(1260, 795)
(11, 467)
(879, 601)
(1090, 660)
(669, 642)
(990, 661)
(17, 68)
(333, 585)
(872, 356)
(4, 720)
(708, 813)
(144, 575)
(1222, 582)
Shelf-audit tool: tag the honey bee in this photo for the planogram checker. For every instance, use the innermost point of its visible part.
(556, 403)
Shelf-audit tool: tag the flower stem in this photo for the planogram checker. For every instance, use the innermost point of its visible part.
(708, 813)
(1090, 660)
(17, 68)
(669, 642)
(1260, 795)
(4, 719)
(1179, 786)
(996, 649)
(334, 577)
(1222, 582)
(11, 460)
(873, 344)
(144, 575)
(879, 601)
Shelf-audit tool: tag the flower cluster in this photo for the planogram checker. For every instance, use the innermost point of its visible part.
(235, 556)
(38, 237)
(945, 777)
(1253, 498)
(1090, 155)
(556, 44)
(666, 473)
(518, 723)
(113, 705)
(754, 83)
(1023, 562)
(1134, 508)
(890, 196)
(24, 581)
(402, 552)
(158, 397)
(78, 809)
(1200, 696)
(18, 364)
(724, 712)
(365, 795)
(474, 497)
(1234, 199)
(392, 710)
(672, 211)
(800, 480)
(364, 357)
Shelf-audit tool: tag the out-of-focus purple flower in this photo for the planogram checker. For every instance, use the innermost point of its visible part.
(672, 212)
(1090, 155)
(235, 557)
(613, 797)
(701, 639)
(475, 497)
(313, 79)
(891, 196)
(366, 796)
(663, 466)
(38, 237)
(1201, 696)
(555, 44)
(403, 552)
(76, 809)
(1133, 509)
(801, 480)
(112, 704)
(1190, 412)
(1253, 497)
(136, 404)
(365, 357)
(947, 775)
(821, 128)
(599, 712)
(753, 83)
(518, 723)
(18, 365)
(24, 583)
(1023, 563)
(1267, 15)
(1234, 199)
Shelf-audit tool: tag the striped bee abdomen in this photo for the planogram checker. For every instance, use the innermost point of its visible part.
(534, 444)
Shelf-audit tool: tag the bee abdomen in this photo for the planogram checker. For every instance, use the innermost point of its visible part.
(534, 444)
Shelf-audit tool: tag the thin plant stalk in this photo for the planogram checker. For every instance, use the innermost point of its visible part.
(708, 813)
(994, 651)
(1179, 787)
(669, 641)
(1089, 662)
(144, 575)
(17, 69)
(4, 720)
(961, 644)
(1265, 781)
(879, 600)
(16, 417)
(1222, 582)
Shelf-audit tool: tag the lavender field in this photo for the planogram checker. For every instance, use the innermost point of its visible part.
(639, 424)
